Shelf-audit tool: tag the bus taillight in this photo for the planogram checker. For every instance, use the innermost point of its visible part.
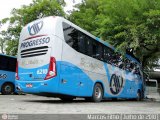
(52, 69)
(17, 77)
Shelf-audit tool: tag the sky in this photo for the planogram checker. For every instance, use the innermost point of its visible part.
(6, 7)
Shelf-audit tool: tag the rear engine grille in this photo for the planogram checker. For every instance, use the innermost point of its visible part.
(34, 52)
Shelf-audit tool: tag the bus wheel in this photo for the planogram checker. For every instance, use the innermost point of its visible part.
(67, 99)
(88, 99)
(97, 93)
(114, 99)
(7, 89)
(139, 96)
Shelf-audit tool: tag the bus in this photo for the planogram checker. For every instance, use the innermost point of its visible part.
(151, 86)
(7, 74)
(57, 58)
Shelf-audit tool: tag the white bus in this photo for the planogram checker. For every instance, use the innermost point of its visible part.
(57, 58)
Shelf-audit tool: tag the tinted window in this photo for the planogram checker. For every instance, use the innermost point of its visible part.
(3, 63)
(82, 43)
(7, 63)
(12, 64)
(89, 46)
(88, 43)
(108, 55)
(70, 36)
(100, 51)
(67, 29)
(97, 50)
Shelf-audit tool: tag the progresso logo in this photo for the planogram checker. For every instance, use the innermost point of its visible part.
(35, 28)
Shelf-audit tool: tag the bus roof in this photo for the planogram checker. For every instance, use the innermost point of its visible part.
(7, 55)
(61, 19)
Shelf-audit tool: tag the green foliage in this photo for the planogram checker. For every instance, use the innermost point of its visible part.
(12, 47)
(21, 17)
(124, 23)
(3, 40)
(2, 45)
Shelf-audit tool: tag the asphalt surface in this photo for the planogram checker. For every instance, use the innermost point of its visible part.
(31, 104)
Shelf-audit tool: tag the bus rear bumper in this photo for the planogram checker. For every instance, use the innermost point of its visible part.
(35, 87)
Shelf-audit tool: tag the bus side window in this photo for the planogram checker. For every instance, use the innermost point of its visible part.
(88, 42)
(127, 64)
(3, 63)
(11, 64)
(106, 55)
(81, 43)
(71, 36)
(120, 61)
(131, 68)
(74, 39)
(94, 48)
(111, 56)
(114, 59)
(100, 51)
(137, 70)
(97, 50)
(67, 29)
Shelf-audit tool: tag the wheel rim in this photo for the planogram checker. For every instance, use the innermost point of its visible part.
(8, 88)
(98, 92)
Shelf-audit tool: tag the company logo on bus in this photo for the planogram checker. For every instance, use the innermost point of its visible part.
(116, 84)
(35, 28)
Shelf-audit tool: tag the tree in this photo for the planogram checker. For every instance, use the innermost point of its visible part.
(3, 41)
(2, 44)
(124, 24)
(20, 17)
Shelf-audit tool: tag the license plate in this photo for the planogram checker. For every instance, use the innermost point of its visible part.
(29, 85)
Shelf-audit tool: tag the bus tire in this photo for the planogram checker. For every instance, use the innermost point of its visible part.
(67, 99)
(114, 99)
(88, 99)
(97, 93)
(7, 89)
(139, 95)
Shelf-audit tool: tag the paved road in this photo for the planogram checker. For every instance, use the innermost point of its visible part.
(31, 104)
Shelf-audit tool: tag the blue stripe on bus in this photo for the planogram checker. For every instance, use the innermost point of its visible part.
(73, 75)
(69, 72)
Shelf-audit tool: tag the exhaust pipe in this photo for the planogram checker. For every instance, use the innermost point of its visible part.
(18, 88)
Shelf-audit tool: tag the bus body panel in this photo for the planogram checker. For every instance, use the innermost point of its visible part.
(76, 73)
(32, 70)
(7, 71)
(35, 73)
